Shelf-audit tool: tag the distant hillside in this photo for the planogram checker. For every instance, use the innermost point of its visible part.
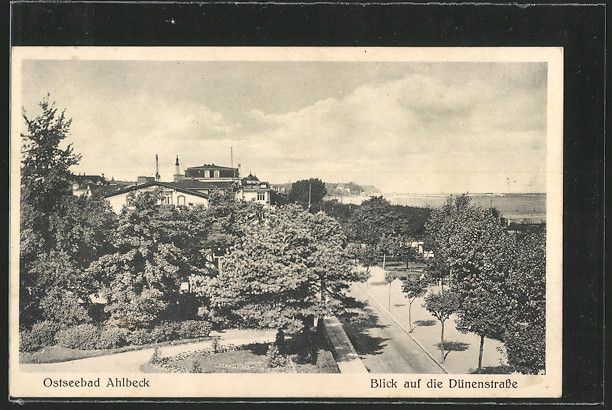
(338, 189)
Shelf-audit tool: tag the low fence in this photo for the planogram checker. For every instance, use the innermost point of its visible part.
(347, 358)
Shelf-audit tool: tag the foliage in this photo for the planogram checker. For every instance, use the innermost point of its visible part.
(525, 333)
(414, 286)
(289, 267)
(367, 255)
(83, 228)
(138, 337)
(196, 367)
(274, 358)
(376, 218)
(64, 308)
(157, 248)
(276, 198)
(42, 335)
(84, 337)
(112, 337)
(189, 329)
(60, 234)
(303, 189)
(441, 305)
(526, 347)
(339, 211)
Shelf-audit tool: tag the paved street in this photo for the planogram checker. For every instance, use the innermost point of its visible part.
(383, 345)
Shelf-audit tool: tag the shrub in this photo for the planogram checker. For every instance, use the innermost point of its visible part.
(63, 307)
(113, 337)
(139, 337)
(526, 348)
(274, 358)
(41, 335)
(195, 366)
(215, 344)
(83, 337)
(189, 329)
(156, 356)
(164, 332)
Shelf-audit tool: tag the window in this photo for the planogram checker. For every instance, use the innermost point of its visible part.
(167, 200)
(217, 173)
(207, 174)
(180, 200)
(261, 196)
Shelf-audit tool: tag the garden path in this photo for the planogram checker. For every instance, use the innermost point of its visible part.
(130, 362)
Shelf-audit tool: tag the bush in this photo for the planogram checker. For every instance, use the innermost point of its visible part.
(113, 337)
(41, 335)
(195, 367)
(190, 329)
(164, 332)
(63, 307)
(274, 358)
(83, 337)
(139, 337)
(526, 348)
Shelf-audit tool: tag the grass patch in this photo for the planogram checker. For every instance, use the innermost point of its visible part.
(249, 358)
(56, 354)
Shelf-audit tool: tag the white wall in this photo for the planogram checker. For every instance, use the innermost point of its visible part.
(118, 201)
(252, 196)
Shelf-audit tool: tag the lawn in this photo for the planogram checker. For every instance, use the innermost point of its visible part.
(247, 359)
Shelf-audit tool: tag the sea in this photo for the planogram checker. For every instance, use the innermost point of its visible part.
(514, 206)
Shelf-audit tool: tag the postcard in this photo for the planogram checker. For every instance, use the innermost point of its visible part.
(286, 222)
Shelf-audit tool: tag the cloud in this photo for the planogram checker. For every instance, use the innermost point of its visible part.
(438, 127)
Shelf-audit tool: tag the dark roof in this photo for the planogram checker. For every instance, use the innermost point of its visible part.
(156, 183)
(211, 166)
(88, 178)
(197, 184)
(250, 177)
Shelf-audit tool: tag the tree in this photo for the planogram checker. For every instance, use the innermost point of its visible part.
(45, 168)
(367, 256)
(371, 221)
(414, 286)
(441, 306)
(524, 336)
(475, 249)
(45, 182)
(287, 269)
(307, 192)
(156, 249)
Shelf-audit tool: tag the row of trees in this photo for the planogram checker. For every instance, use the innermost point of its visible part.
(496, 281)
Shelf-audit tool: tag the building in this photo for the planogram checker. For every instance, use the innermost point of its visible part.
(212, 172)
(194, 186)
(207, 178)
(171, 195)
(252, 189)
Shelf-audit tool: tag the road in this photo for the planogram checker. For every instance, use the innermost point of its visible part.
(383, 345)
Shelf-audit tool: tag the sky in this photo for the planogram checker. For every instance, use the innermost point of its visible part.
(404, 127)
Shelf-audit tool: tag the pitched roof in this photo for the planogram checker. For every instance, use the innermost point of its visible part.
(156, 183)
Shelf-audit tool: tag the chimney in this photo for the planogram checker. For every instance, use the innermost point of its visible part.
(177, 171)
(157, 176)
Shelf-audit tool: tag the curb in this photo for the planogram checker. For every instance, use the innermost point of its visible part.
(404, 329)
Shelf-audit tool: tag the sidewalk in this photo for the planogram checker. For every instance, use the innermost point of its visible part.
(464, 356)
